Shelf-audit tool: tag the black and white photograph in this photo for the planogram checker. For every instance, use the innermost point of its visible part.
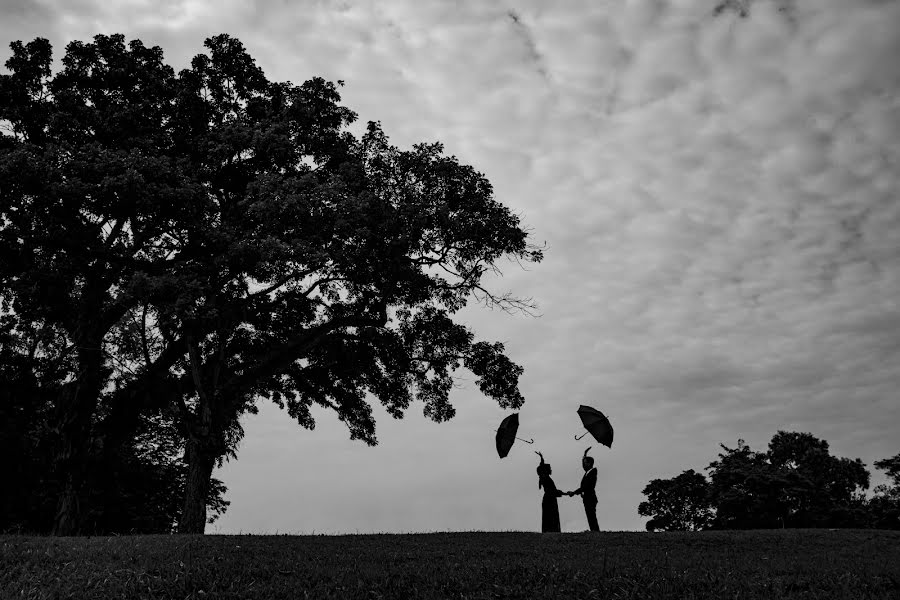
(477, 299)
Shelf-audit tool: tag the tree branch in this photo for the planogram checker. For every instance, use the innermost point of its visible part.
(299, 346)
(144, 336)
(284, 281)
(114, 233)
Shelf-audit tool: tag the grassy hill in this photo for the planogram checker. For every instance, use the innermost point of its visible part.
(855, 564)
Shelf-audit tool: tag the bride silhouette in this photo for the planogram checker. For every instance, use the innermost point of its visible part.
(549, 506)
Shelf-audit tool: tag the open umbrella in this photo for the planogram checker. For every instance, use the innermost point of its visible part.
(596, 424)
(506, 434)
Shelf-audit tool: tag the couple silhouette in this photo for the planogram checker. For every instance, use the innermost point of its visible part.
(549, 506)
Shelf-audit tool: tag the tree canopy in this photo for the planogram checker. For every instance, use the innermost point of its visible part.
(796, 482)
(196, 241)
(677, 504)
(885, 504)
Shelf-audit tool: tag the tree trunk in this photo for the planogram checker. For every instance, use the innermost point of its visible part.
(200, 461)
(77, 404)
(68, 509)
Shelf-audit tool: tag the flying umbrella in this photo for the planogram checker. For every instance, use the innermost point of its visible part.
(596, 424)
(506, 434)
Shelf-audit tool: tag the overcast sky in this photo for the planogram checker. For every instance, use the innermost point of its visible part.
(718, 196)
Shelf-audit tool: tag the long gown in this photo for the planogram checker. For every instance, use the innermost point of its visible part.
(549, 507)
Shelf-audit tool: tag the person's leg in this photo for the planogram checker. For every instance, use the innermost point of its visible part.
(590, 509)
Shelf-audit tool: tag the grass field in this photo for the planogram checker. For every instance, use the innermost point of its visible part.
(854, 564)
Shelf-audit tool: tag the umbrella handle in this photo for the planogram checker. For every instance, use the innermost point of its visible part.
(531, 441)
(581, 436)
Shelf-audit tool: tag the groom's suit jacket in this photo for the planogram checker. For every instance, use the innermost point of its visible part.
(588, 483)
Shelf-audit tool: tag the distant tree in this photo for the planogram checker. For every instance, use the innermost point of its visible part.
(891, 468)
(746, 492)
(796, 483)
(884, 506)
(822, 490)
(678, 504)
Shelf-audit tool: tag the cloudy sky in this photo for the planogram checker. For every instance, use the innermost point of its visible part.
(719, 200)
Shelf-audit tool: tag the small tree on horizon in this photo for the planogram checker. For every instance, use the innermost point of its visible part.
(678, 504)
(885, 504)
(745, 490)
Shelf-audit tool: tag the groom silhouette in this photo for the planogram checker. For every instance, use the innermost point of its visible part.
(587, 492)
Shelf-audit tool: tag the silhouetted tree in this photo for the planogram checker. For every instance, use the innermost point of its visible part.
(678, 504)
(208, 238)
(745, 490)
(796, 483)
(332, 266)
(28, 501)
(137, 489)
(884, 506)
(821, 490)
(891, 468)
(90, 190)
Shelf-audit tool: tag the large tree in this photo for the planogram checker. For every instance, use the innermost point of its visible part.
(29, 370)
(212, 237)
(136, 489)
(326, 269)
(90, 187)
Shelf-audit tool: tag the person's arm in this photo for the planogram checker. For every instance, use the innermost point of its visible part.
(577, 492)
(551, 488)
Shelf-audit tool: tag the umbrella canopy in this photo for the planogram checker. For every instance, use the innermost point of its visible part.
(596, 424)
(506, 434)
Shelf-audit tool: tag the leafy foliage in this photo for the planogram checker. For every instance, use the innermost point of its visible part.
(89, 191)
(203, 239)
(745, 489)
(891, 467)
(822, 490)
(678, 504)
(795, 483)
(136, 489)
(885, 504)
